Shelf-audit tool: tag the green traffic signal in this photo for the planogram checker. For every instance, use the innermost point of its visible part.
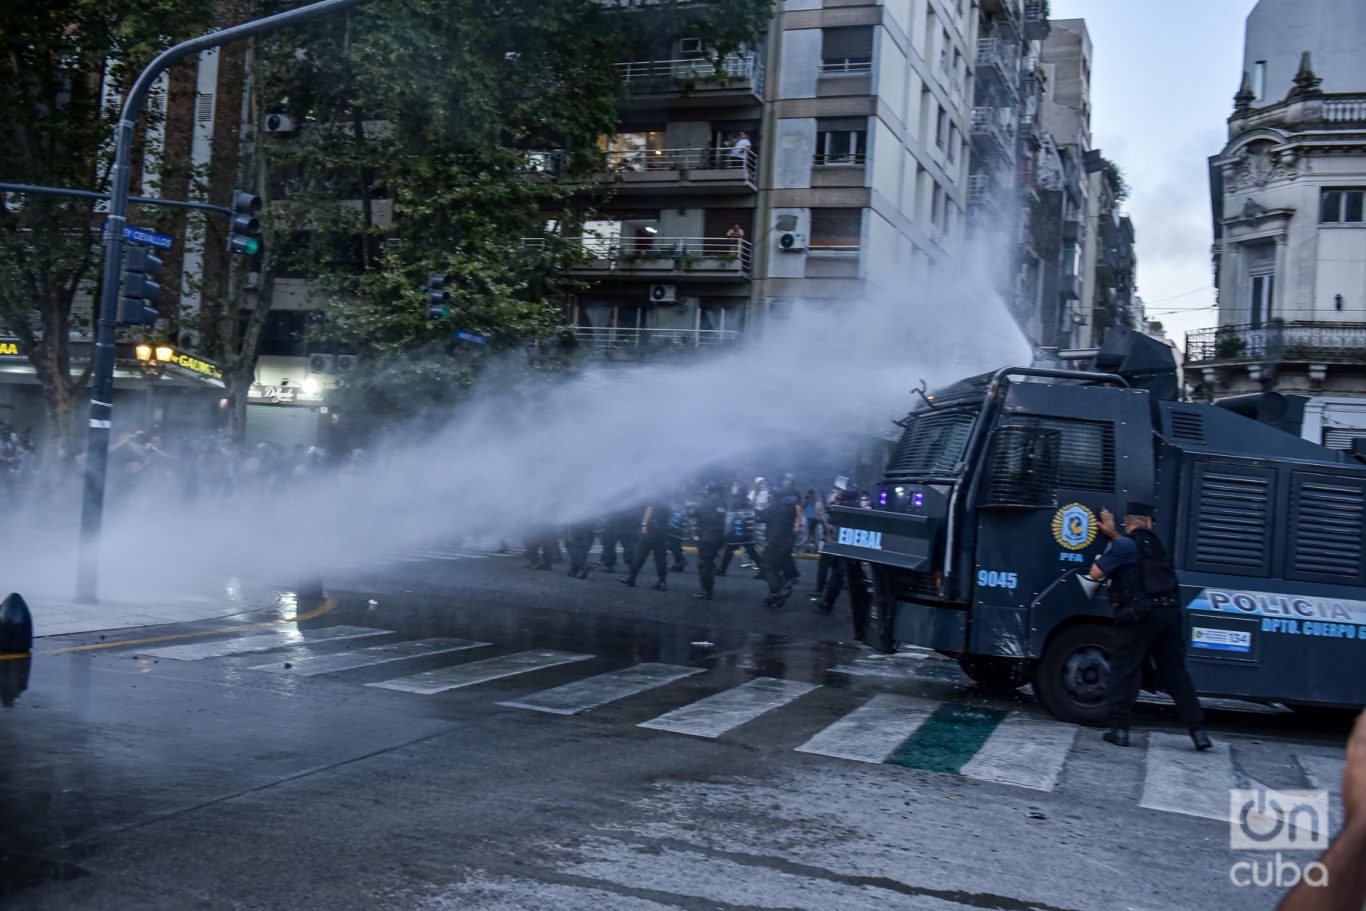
(243, 231)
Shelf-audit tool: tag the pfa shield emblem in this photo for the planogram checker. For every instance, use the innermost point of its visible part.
(1074, 526)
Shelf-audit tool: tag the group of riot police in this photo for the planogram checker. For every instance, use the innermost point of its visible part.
(720, 518)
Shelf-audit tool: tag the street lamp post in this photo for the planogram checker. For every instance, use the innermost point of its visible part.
(102, 379)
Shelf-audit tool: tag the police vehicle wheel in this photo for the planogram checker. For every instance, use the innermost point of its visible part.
(1071, 677)
(992, 673)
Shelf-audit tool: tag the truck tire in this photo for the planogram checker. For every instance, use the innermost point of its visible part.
(1071, 676)
(993, 673)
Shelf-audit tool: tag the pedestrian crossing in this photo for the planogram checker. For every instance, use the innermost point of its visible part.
(989, 741)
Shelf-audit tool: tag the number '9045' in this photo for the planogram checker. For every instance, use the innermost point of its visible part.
(989, 578)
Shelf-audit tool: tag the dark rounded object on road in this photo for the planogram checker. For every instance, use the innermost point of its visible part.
(993, 673)
(16, 625)
(1072, 675)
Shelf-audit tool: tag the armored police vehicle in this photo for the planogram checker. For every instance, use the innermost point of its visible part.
(988, 509)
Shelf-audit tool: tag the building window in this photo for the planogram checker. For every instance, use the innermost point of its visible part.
(1259, 80)
(953, 144)
(1263, 288)
(1341, 206)
(941, 127)
(841, 147)
(847, 51)
(836, 230)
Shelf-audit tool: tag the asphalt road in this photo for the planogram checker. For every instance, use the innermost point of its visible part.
(450, 729)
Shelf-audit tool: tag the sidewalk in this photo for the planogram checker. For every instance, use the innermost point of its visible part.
(55, 617)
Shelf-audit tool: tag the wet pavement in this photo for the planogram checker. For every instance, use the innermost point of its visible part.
(467, 733)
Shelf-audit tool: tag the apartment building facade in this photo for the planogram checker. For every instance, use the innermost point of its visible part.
(1287, 195)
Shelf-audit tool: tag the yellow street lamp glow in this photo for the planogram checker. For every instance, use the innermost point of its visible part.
(143, 351)
(165, 353)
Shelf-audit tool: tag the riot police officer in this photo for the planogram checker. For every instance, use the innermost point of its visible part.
(783, 519)
(578, 541)
(651, 541)
(711, 532)
(739, 505)
(1146, 597)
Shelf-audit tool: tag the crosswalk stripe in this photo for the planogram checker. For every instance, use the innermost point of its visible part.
(724, 711)
(873, 731)
(460, 675)
(1178, 779)
(1024, 751)
(1325, 773)
(591, 692)
(260, 642)
(366, 657)
(903, 665)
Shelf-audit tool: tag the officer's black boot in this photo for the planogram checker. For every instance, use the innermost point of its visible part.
(702, 596)
(661, 586)
(627, 580)
(1200, 738)
(1118, 736)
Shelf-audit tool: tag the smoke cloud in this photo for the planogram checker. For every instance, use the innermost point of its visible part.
(815, 385)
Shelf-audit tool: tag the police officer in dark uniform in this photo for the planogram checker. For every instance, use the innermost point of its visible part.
(738, 503)
(834, 572)
(652, 541)
(711, 533)
(578, 541)
(1149, 621)
(784, 519)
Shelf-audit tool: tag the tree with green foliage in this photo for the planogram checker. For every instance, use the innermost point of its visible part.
(60, 63)
(1115, 175)
(424, 112)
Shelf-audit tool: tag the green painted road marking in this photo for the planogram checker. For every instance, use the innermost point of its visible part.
(949, 740)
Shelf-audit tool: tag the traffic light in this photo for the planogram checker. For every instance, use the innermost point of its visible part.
(140, 290)
(438, 298)
(245, 228)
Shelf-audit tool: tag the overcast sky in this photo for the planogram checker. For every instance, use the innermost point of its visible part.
(1163, 74)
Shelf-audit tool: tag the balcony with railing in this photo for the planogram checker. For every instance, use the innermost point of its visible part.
(701, 170)
(695, 258)
(847, 66)
(609, 339)
(740, 74)
(1303, 342)
(1036, 27)
(998, 63)
(983, 193)
(993, 130)
(1005, 13)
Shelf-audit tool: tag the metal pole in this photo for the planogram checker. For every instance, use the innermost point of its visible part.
(102, 380)
(91, 194)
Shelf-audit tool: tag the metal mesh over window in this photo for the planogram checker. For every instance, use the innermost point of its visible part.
(931, 445)
(1024, 467)
(1086, 450)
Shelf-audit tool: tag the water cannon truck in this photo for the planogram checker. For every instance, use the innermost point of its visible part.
(986, 521)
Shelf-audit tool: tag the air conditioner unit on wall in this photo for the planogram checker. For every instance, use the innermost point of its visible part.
(322, 363)
(663, 294)
(279, 123)
(346, 363)
(791, 242)
(690, 45)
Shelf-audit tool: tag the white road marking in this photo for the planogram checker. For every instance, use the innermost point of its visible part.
(902, 665)
(1024, 751)
(366, 657)
(460, 675)
(591, 692)
(260, 642)
(1179, 779)
(874, 730)
(724, 711)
